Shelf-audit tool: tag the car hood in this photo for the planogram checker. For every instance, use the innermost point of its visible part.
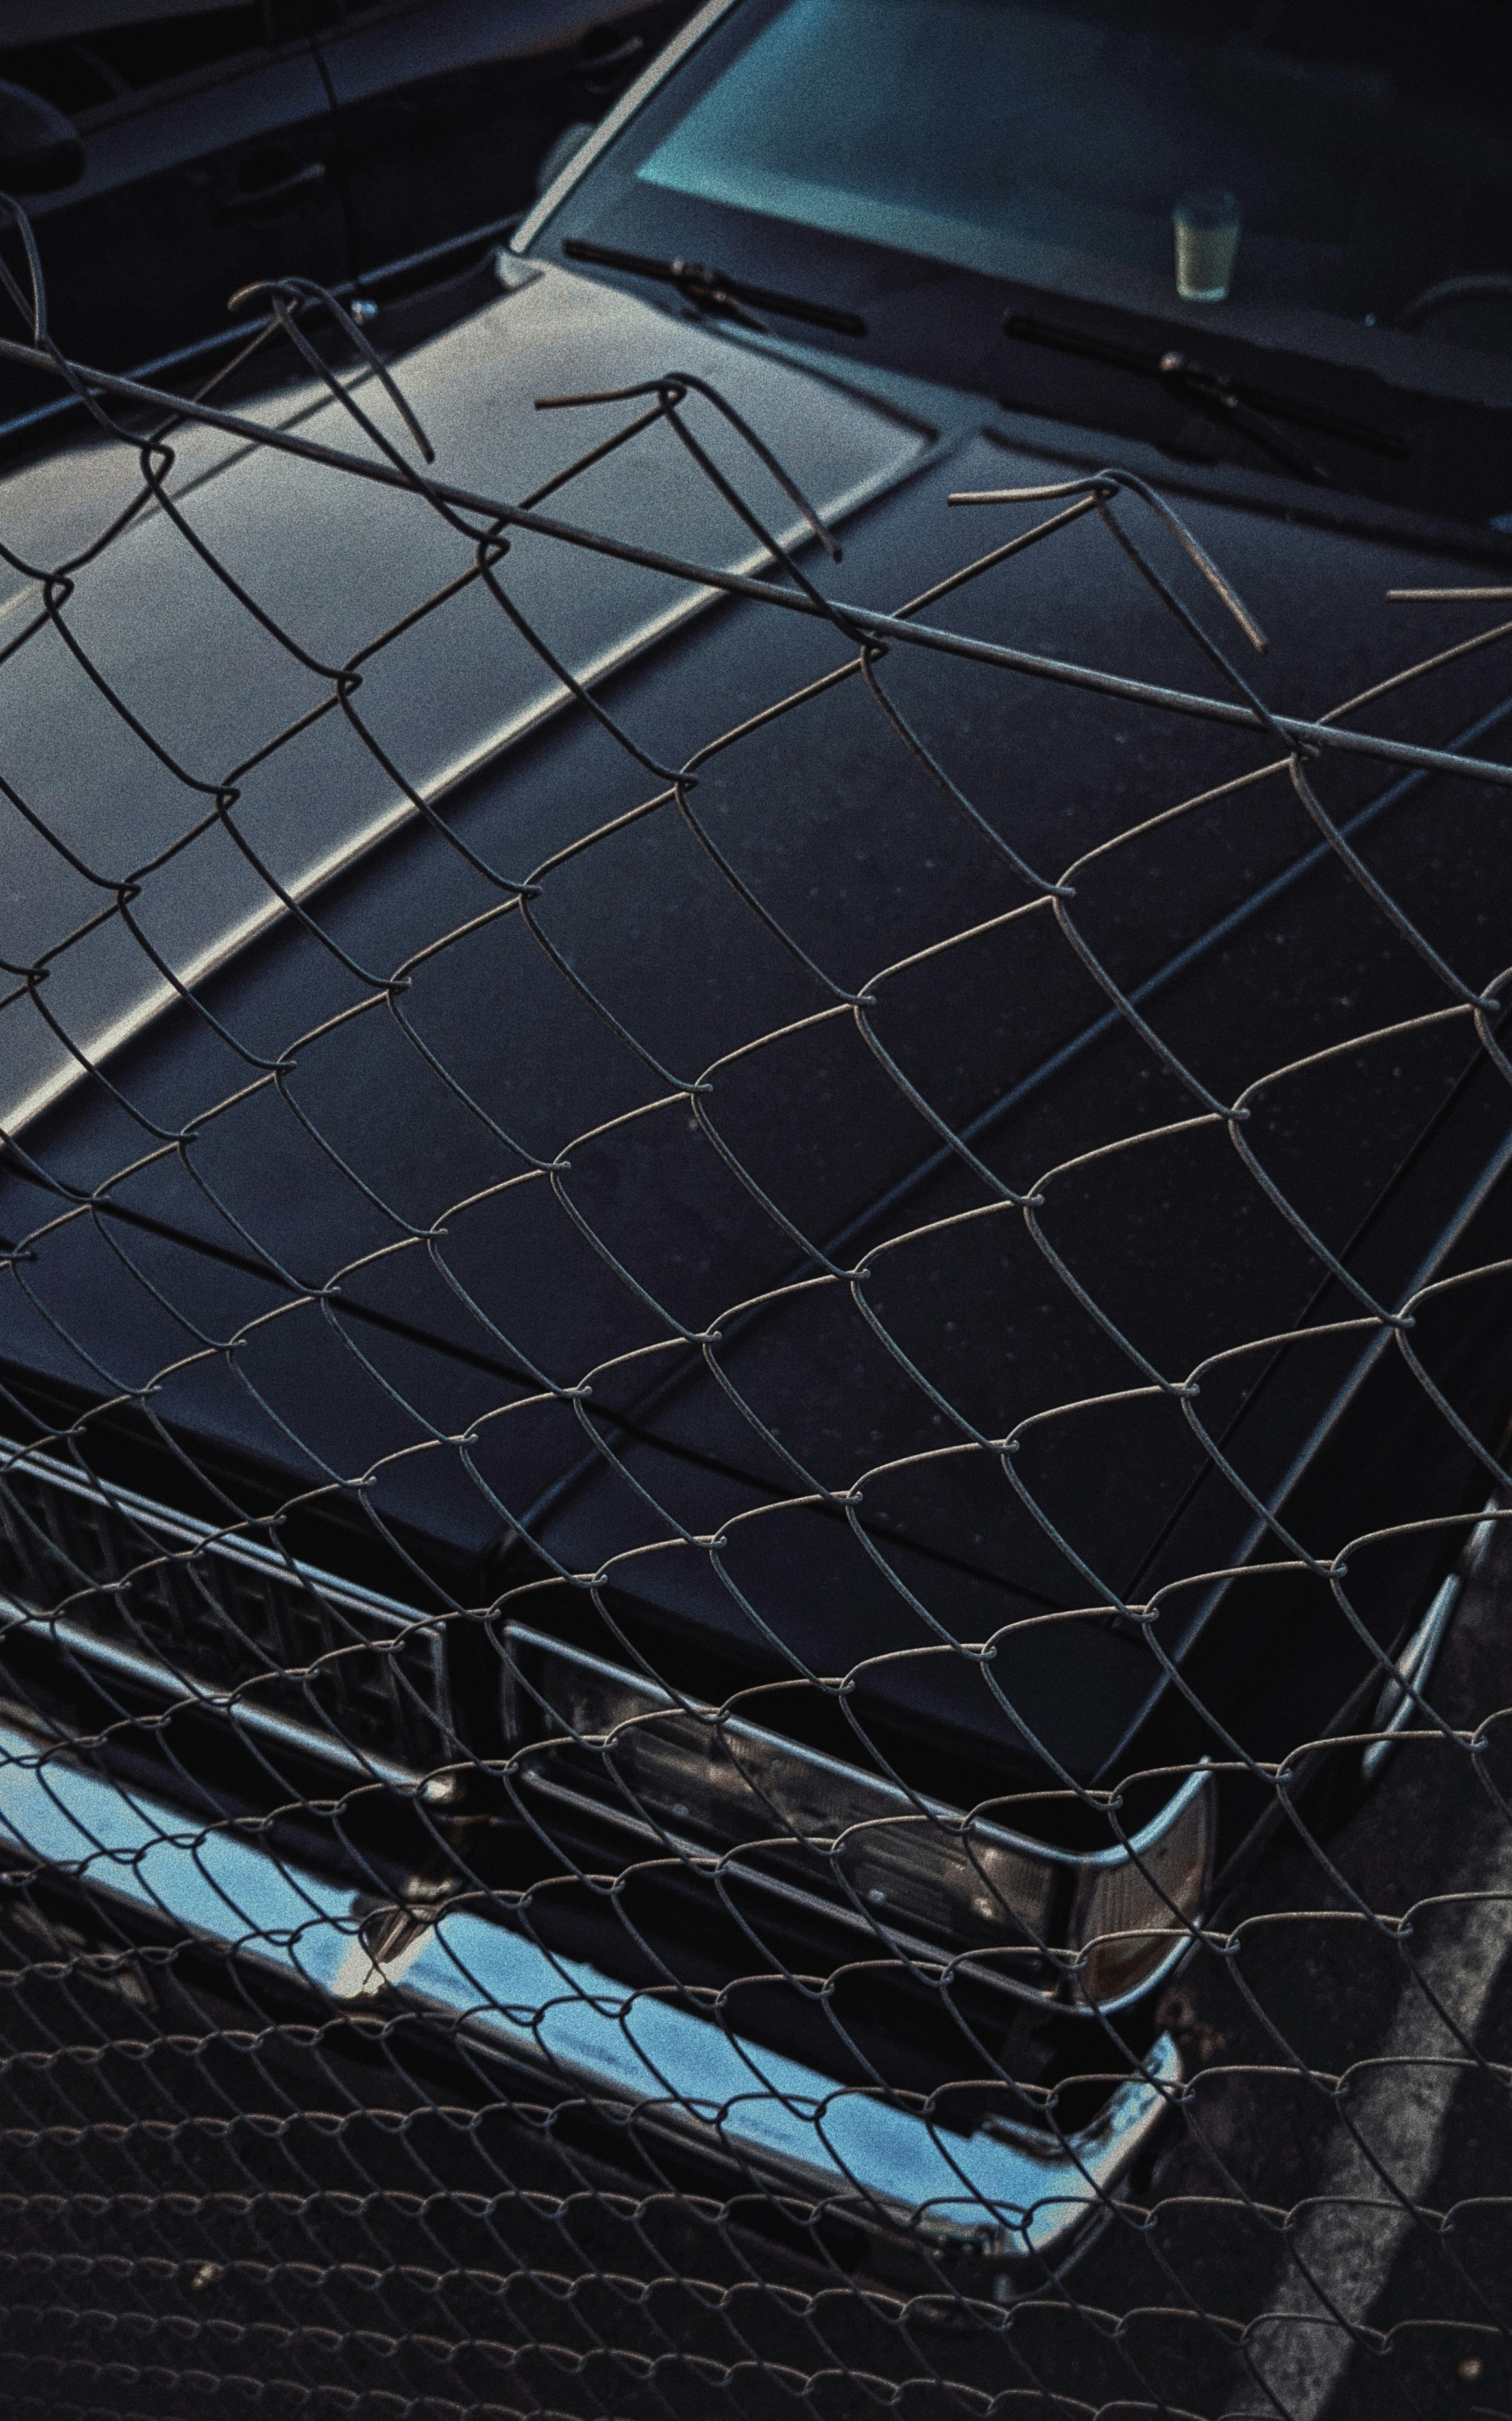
(765, 1198)
(177, 683)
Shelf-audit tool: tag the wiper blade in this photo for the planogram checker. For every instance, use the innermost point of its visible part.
(1232, 402)
(710, 289)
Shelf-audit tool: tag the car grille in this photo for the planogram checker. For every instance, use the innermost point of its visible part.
(160, 1600)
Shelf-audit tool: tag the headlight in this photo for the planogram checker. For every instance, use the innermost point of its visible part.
(611, 1745)
(1132, 1908)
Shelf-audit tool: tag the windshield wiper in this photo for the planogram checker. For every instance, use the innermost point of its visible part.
(710, 289)
(1233, 403)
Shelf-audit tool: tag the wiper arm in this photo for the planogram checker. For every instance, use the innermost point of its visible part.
(1232, 402)
(710, 289)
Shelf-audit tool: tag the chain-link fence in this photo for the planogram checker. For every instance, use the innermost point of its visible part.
(754, 1356)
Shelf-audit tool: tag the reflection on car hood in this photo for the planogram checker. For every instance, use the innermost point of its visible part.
(333, 563)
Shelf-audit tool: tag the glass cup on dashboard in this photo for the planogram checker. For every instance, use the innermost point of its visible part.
(1206, 225)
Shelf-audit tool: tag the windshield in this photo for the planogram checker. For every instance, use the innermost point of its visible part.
(1348, 157)
(1271, 238)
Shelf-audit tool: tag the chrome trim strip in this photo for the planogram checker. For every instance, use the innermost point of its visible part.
(1396, 1706)
(629, 102)
(1007, 2192)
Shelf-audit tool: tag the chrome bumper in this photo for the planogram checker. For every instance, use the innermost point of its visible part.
(1006, 2192)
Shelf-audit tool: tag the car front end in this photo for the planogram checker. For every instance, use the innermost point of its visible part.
(752, 1298)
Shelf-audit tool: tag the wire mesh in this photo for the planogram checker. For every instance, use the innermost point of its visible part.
(751, 1516)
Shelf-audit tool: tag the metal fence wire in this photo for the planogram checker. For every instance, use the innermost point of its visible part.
(697, 1716)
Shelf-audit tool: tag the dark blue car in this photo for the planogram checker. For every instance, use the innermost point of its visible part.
(771, 1272)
